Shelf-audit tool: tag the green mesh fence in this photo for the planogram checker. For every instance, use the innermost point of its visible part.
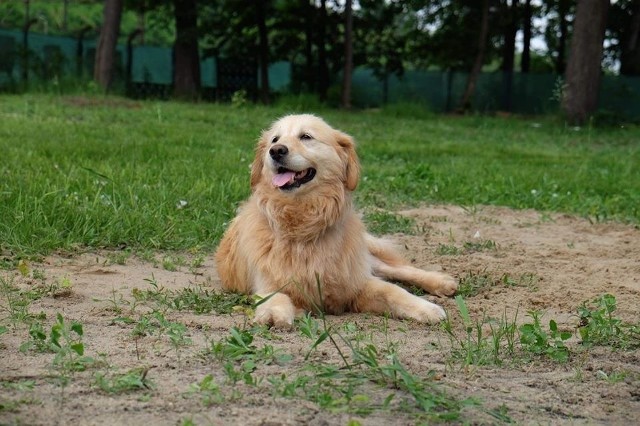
(50, 57)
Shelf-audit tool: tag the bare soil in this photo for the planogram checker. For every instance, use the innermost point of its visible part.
(547, 262)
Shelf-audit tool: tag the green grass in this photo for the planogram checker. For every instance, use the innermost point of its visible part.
(108, 172)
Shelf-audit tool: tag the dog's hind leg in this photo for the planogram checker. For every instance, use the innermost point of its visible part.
(381, 297)
(388, 264)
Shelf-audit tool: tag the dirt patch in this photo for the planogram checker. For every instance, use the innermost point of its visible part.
(519, 260)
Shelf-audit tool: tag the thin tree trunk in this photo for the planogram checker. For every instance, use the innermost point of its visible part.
(582, 79)
(308, 45)
(186, 71)
(348, 55)
(508, 54)
(525, 61)
(563, 10)
(264, 52)
(465, 102)
(323, 69)
(104, 66)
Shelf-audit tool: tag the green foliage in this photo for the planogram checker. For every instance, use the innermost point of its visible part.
(381, 222)
(208, 391)
(131, 190)
(194, 299)
(485, 342)
(476, 282)
(156, 323)
(539, 342)
(599, 327)
(15, 304)
(117, 383)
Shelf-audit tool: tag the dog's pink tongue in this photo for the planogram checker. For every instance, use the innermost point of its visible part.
(281, 179)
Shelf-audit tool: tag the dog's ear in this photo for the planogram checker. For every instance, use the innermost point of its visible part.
(352, 173)
(258, 161)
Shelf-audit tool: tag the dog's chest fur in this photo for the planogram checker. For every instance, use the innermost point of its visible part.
(317, 251)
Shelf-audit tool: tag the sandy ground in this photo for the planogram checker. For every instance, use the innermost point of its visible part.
(552, 263)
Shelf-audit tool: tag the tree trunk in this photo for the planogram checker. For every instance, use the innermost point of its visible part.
(508, 54)
(186, 70)
(348, 55)
(264, 52)
(104, 66)
(563, 10)
(309, 77)
(582, 79)
(525, 61)
(630, 58)
(323, 68)
(465, 102)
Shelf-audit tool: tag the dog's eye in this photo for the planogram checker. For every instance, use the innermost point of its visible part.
(305, 137)
(275, 139)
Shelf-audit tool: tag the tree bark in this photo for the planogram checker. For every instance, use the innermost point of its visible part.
(582, 79)
(264, 52)
(323, 68)
(348, 55)
(465, 102)
(508, 54)
(104, 65)
(309, 74)
(186, 70)
(525, 61)
(563, 10)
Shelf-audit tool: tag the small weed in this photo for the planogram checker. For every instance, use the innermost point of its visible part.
(448, 250)
(66, 341)
(480, 346)
(118, 383)
(202, 301)
(472, 283)
(196, 263)
(118, 257)
(208, 391)
(156, 321)
(173, 263)
(613, 377)
(541, 343)
(239, 347)
(308, 326)
(599, 327)
(467, 248)
(14, 303)
(195, 299)
(20, 386)
(477, 246)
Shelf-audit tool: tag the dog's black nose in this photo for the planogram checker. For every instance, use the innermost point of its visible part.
(277, 152)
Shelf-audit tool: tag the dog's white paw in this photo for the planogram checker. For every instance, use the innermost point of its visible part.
(446, 285)
(427, 312)
(275, 315)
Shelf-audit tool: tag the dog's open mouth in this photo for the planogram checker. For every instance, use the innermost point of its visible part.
(288, 179)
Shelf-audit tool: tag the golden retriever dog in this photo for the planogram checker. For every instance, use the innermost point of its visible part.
(299, 244)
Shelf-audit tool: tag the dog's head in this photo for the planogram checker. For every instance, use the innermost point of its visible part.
(299, 152)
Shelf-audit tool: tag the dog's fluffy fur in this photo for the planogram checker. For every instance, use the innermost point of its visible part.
(299, 240)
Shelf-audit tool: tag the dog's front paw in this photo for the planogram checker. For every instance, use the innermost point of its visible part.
(278, 312)
(446, 285)
(428, 312)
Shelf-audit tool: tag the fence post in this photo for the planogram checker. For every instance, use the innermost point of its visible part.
(25, 52)
(129, 71)
(80, 51)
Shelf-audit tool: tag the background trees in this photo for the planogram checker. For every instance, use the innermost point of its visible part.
(388, 37)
